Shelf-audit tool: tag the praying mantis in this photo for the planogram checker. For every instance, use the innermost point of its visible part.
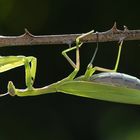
(108, 85)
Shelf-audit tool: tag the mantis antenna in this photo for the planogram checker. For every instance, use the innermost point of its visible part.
(1, 95)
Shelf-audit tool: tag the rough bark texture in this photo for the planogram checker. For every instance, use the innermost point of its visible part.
(111, 35)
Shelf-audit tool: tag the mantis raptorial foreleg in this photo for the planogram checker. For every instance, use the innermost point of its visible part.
(10, 62)
(30, 71)
(90, 70)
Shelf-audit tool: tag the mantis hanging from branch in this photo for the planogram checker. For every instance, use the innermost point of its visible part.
(108, 85)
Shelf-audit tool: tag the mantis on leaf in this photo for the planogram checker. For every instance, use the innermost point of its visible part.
(109, 85)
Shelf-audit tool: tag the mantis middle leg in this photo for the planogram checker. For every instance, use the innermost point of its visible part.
(76, 65)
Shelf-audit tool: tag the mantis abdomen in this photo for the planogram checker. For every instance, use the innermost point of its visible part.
(116, 79)
(109, 86)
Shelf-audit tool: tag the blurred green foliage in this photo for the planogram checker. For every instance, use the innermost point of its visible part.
(60, 116)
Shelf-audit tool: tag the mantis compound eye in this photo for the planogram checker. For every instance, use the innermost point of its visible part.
(11, 89)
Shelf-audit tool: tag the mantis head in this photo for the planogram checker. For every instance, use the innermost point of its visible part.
(11, 89)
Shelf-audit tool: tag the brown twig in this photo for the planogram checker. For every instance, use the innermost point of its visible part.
(28, 39)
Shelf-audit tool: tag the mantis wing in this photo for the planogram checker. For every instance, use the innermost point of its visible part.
(101, 91)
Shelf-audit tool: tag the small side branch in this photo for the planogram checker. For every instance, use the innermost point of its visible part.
(28, 39)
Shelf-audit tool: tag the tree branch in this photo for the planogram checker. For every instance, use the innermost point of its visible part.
(111, 35)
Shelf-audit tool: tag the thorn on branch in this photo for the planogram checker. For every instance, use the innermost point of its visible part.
(27, 38)
(27, 33)
(125, 28)
(114, 28)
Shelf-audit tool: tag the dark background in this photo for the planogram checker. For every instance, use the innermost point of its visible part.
(59, 116)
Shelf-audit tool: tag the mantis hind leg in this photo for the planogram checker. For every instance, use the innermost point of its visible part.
(90, 70)
(76, 65)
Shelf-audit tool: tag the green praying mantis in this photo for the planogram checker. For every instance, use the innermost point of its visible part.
(108, 85)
